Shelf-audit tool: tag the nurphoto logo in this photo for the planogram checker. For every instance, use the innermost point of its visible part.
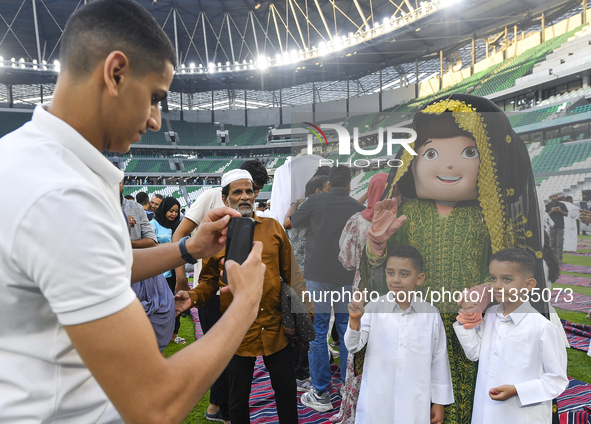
(344, 140)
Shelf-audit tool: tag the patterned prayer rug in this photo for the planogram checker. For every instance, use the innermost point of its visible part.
(575, 268)
(574, 281)
(572, 301)
(573, 403)
(579, 335)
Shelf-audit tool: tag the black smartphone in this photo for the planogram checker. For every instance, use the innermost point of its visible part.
(239, 241)
(584, 205)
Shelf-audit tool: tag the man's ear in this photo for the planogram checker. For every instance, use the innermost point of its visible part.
(225, 199)
(115, 71)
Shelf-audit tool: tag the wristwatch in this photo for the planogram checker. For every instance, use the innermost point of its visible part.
(184, 254)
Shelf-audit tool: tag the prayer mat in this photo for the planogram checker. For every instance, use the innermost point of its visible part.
(573, 403)
(575, 268)
(571, 301)
(574, 281)
(578, 335)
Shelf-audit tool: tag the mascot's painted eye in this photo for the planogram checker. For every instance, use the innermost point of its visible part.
(431, 154)
(470, 153)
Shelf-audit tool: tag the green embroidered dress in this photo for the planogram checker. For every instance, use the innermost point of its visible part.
(455, 251)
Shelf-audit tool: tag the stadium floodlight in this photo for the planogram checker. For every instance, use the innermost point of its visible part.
(1, 61)
(278, 59)
(211, 67)
(44, 63)
(22, 62)
(262, 63)
(192, 65)
(34, 63)
(56, 66)
(322, 48)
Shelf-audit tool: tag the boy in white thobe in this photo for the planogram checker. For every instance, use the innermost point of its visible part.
(406, 376)
(522, 357)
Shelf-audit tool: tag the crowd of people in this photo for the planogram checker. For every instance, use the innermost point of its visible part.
(89, 302)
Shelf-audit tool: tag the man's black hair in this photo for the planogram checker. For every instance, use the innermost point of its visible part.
(407, 252)
(323, 170)
(142, 198)
(315, 183)
(129, 197)
(569, 199)
(339, 177)
(524, 261)
(257, 171)
(103, 26)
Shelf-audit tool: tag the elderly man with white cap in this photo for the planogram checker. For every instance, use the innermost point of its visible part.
(265, 337)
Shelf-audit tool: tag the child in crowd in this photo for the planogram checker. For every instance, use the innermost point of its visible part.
(522, 360)
(406, 375)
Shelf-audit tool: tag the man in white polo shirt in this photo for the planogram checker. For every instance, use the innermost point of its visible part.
(66, 263)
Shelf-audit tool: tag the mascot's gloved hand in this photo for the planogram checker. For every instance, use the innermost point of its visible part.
(475, 301)
(384, 224)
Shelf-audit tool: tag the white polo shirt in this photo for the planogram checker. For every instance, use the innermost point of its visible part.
(65, 259)
(206, 201)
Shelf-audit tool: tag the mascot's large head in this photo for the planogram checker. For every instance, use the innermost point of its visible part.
(447, 161)
(467, 151)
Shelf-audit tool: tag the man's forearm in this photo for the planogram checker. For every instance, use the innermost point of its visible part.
(184, 229)
(145, 387)
(143, 243)
(155, 260)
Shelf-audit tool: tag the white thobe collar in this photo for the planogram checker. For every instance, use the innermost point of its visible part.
(518, 314)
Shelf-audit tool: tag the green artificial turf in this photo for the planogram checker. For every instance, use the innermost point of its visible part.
(579, 363)
(187, 331)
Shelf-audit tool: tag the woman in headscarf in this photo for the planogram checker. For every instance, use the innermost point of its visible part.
(352, 245)
(468, 192)
(165, 222)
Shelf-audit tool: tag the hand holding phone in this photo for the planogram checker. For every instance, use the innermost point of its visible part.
(239, 241)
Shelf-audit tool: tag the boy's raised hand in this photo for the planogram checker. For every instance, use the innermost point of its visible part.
(356, 311)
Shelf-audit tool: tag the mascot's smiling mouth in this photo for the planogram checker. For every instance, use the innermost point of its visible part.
(448, 179)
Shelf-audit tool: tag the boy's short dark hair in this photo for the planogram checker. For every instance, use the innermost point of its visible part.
(103, 26)
(315, 183)
(339, 176)
(142, 198)
(524, 261)
(129, 197)
(257, 171)
(407, 252)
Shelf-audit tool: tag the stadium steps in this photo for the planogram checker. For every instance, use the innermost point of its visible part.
(557, 155)
(521, 64)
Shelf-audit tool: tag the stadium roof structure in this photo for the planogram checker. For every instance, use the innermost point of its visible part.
(263, 45)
